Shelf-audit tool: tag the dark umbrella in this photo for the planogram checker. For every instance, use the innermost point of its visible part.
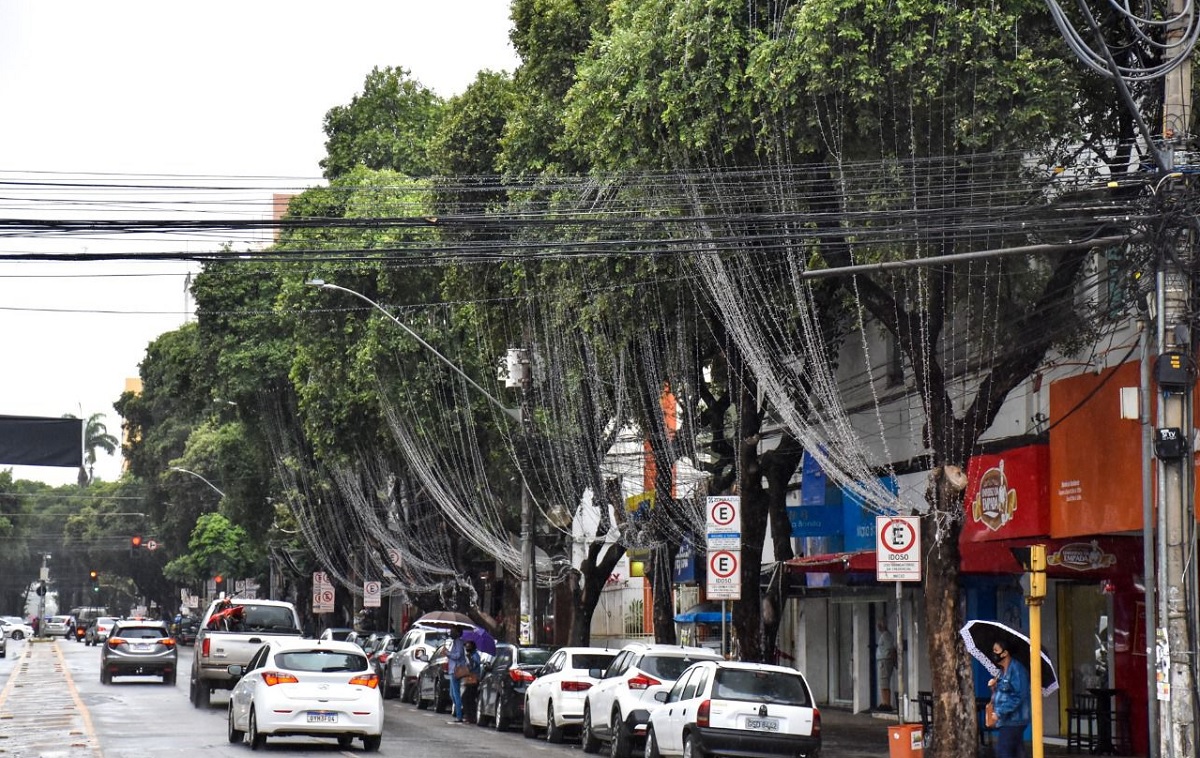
(979, 637)
(447, 618)
(484, 642)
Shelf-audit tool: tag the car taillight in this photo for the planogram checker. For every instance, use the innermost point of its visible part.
(205, 647)
(816, 730)
(641, 682)
(702, 713)
(115, 642)
(575, 686)
(366, 680)
(168, 641)
(520, 676)
(272, 678)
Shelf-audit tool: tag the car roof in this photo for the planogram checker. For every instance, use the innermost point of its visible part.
(682, 651)
(748, 666)
(284, 644)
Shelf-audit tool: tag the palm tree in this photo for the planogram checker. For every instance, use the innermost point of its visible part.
(95, 435)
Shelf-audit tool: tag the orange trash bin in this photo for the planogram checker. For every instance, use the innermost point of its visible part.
(906, 741)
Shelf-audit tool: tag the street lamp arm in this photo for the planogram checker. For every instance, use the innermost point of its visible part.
(514, 413)
(193, 473)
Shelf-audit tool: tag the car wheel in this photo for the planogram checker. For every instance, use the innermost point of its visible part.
(527, 727)
(651, 744)
(389, 692)
(345, 740)
(500, 721)
(587, 735)
(235, 735)
(554, 732)
(105, 676)
(372, 742)
(691, 749)
(169, 679)
(421, 702)
(203, 695)
(257, 738)
(406, 689)
(619, 745)
(18, 635)
(481, 716)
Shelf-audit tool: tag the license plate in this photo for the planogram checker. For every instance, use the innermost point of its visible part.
(322, 717)
(759, 724)
(141, 647)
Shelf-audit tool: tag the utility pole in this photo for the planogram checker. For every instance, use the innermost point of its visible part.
(1175, 376)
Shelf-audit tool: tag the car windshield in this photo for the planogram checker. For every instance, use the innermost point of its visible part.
(667, 667)
(320, 660)
(760, 686)
(262, 618)
(585, 661)
(535, 656)
(142, 633)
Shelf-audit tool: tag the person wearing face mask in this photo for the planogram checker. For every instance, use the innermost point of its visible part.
(1010, 700)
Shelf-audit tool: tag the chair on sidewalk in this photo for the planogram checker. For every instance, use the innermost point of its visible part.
(1081, 724)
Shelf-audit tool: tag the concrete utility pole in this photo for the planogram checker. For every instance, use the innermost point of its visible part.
(1175, 375)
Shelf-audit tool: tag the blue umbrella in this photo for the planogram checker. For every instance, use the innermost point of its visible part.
(484, 642)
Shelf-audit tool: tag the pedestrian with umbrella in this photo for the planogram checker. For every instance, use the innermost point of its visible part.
(1010, 701)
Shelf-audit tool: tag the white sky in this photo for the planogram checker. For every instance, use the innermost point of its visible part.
(225, 89)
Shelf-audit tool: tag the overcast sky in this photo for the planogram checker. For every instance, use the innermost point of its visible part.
(231, 92)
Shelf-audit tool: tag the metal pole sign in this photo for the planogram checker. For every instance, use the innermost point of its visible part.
(372, 594)
(723, 529)
(898, 549)
(724, 580)
(322, 599)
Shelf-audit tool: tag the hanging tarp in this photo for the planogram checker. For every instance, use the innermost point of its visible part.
(41, 441)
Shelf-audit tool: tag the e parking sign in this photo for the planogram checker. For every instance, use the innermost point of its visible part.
(724, 581)
(898, 549)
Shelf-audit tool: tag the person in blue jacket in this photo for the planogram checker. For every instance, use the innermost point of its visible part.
(1010, 700)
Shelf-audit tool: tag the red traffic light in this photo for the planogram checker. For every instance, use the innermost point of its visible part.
(136, 540)
(218, 579)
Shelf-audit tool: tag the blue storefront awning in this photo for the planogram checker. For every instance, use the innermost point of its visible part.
(704, 613)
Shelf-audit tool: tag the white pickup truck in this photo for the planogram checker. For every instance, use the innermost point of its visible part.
(231, 632)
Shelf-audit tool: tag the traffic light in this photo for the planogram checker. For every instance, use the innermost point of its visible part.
(95, 577)
(135, 540)
(219, 583)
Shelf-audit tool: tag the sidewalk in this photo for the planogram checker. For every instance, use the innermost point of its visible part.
(865, 735)
(40, 710)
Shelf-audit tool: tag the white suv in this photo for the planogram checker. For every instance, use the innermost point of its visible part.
(617, 708)
(413, 654)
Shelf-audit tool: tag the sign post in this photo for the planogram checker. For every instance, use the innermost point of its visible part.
(723, 534)
(322, 599)
(898, 559)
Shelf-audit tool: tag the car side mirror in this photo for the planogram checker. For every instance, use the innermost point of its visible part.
(236, 670)
(420, 654)
(596, 673)
(661, 696)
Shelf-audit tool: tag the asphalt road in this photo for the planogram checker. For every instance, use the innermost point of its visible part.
(52, 704)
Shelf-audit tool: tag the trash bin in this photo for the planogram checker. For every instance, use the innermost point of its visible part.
(906, 741)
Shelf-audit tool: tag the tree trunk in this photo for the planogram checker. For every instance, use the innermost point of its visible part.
(955, 728)
(747, 612)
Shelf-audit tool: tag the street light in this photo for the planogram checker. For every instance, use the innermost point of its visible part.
(528, 633)
(193, 473)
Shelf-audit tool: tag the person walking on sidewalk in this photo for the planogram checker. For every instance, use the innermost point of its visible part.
(885, 663)
(456, 662)
(1010, 701)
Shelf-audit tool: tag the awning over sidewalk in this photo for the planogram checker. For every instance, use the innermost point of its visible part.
(703, 613)
(862, 561)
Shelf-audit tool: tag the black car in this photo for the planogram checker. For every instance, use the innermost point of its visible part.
(433, 683)
(501, 699)
(188, 629)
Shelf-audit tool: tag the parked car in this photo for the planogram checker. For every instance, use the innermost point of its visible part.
(15, 628)
(433, 683)
(554, 701)
(501, 698)
(720, 707)
(314, 688)
(617, 708)
(3, 645)
(139, 648)
(416, 648)
(388, 645)
(58, 626)
(98, 629)
(338, 633)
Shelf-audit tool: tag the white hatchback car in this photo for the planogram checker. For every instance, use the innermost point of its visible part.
(617, 707)
(725, 707)
(554, 700)
(14, 628)
(314, 688)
